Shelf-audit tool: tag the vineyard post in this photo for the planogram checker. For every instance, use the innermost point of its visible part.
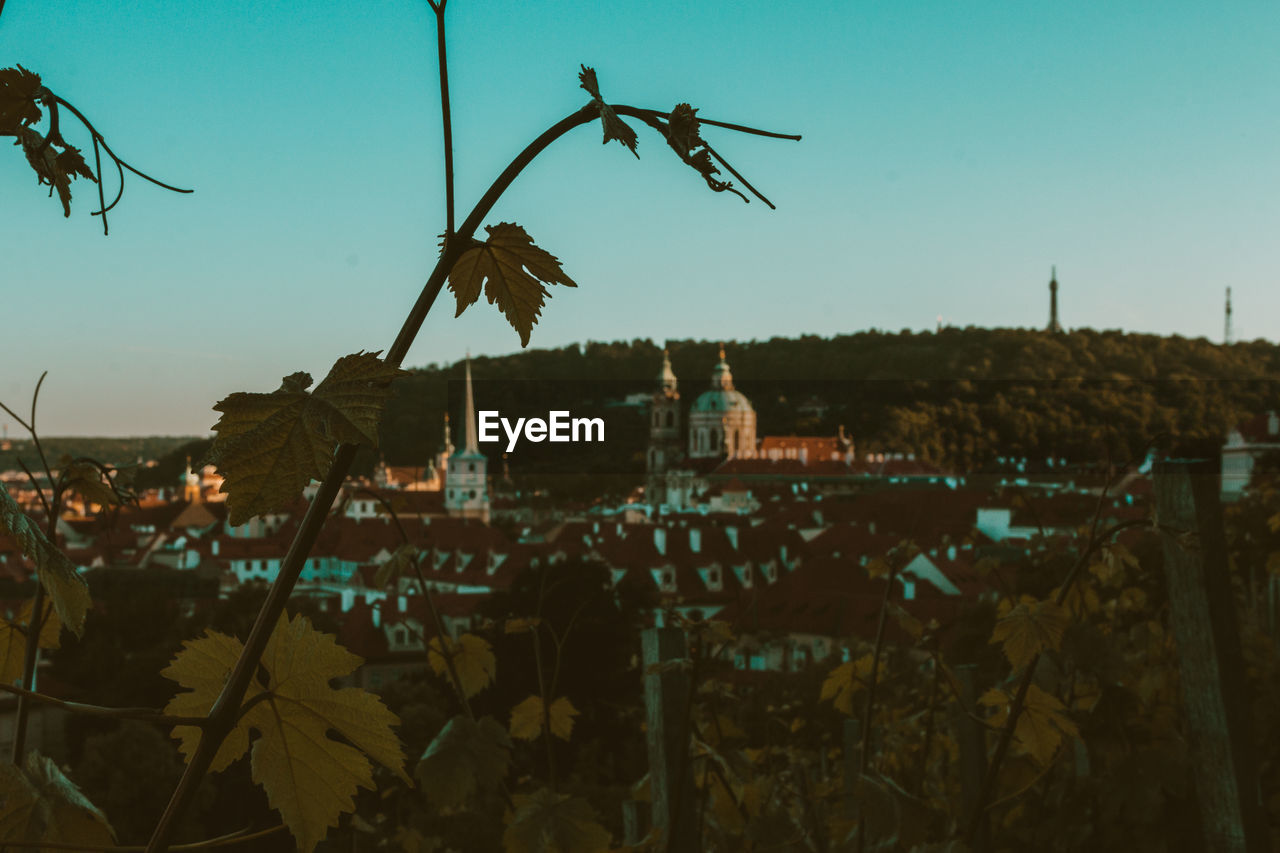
(1210, 661)
(852, 764)
(666, 701)
(971, 739)
(635, 822)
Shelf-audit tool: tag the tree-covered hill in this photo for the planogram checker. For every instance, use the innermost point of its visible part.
(961, 397)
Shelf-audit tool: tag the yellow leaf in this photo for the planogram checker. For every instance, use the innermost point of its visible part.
(527, 718)
(270, 446)
(310, 778)
(1029, 629)
(520, 625)
(465, 758)
(67, 590)
(13, 640)
(844, 681)
(512, 272)
(547, 822)
(473, 660)
(1042, 725)
(1081, 599)
(877, 568)
(41, 804)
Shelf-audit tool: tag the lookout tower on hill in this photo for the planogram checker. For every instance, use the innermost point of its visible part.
(1054, 325)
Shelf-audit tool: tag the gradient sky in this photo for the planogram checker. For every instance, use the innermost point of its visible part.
(952, 152)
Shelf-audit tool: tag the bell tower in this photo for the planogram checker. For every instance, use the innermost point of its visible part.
(664, 432)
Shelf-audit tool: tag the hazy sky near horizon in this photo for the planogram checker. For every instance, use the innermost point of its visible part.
(952, 152)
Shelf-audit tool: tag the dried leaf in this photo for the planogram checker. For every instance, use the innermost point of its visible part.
(52, 166)
(512, 272)
(270, 446)
(67, 590)
(467, 757)
(547, 822)
(473, 660)
(309, 777)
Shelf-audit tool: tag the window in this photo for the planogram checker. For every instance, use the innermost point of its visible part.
(471, 466)
(671, 419)
(473, 494)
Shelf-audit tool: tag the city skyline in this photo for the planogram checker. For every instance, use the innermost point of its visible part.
(950, 158)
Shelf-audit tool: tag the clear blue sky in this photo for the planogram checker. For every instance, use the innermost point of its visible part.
(952, 151)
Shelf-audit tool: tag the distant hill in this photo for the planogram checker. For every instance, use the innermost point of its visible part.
(960, 397)
(119, 452)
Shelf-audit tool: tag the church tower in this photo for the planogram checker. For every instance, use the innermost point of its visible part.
(722, 422)
(466, 488)
(1054, 326)
(664, 427)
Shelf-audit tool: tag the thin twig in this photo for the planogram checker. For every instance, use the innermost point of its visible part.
(745, 182)
(438, 8)
(148, 715)
(110, 153)
(237, 837)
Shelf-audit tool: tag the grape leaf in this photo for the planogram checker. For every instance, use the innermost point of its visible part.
(547, 822)
(13, 640)
(41, 804)
(1042, 725)
(53, 167)
(67, 590)
(512, 271)
(86, 478)
(527, 718)
(844, 681)
(270, 446)
(309, 778)
(399, 563)
(467, 757)
(614, 127)
(1029, 629)
(473, 660)
(19, 90)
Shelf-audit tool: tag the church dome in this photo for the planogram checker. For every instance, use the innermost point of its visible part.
(722, 397)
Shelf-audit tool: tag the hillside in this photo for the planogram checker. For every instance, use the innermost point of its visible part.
(960, 397)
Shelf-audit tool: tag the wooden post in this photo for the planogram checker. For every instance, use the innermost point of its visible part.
(971, 738)
(852, 765)
(1209, 659)
(666, 701)
(635, 822)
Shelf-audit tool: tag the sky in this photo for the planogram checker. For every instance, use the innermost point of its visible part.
(952, 152)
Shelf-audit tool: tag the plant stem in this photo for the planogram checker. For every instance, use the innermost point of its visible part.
(30, 660)
(444, 114)
(223, 715)
(870, 706)
(145, 714)
(208, 844)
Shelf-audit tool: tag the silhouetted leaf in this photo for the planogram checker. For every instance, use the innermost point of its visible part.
(512, 272)
(19, 89)
(614, 127)
(547, 822)
(467, 757)
(270, 446)
(54, 167)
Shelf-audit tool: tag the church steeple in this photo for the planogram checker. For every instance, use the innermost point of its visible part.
(1054, 325)
(667, 378)
(473, 444)
(721, 377)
